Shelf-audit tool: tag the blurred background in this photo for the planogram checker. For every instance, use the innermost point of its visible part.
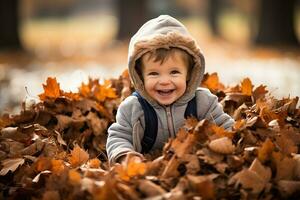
(76, 39)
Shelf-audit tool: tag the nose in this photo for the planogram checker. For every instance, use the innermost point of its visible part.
(164, 80)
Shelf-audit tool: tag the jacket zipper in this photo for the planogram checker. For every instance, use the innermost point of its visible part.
(170, 122)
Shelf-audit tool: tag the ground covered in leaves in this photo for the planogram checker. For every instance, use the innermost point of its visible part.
(55, 148)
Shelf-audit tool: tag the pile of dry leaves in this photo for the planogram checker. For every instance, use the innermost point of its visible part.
(55, 148)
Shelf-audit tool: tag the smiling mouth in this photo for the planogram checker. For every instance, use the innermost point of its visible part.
(165, 92)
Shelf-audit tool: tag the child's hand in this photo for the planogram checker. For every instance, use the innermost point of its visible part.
(125, 159)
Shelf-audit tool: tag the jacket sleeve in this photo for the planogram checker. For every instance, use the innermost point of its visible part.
(212, 110)
(119, 140)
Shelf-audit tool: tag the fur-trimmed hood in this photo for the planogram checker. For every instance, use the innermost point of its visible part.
(165, 32)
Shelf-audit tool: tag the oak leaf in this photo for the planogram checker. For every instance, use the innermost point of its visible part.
(10, 164)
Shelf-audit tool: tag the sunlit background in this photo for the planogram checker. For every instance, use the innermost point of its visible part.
(76, 39)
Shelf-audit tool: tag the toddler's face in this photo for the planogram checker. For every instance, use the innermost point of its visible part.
(165, 82)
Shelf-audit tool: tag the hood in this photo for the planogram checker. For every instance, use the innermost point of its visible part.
(165, 32)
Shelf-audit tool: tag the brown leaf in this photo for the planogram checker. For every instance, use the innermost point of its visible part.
(170, 169)
(285, 166)
(60, 140)
(249, 180)
(35, 147)
(98, 125)
(288, 188)
(37, 177)
(264, 172)
(287, 146)
(78, 157)
(127, 192)
(51, 195)
(10, 165)
(150, 189)
(222, 145)
(192, 163)
(203, 185)
(265, 151)
(259, 92)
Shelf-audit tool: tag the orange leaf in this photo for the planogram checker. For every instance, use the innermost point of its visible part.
(135, 168)
(94, 163)
(78, 157)
(212, 82)
(125, 74)
(74, 177)
(239, 124)
(58, 166)
(104, 91)
(51, 89)
(247, 87)
(221, 132)
(84, 90)
(71, 95)
(43, 163)
(130, 169)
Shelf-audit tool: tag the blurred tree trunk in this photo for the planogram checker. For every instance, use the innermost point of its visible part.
(213, 14)
(276, 23)
(132, 14)
(9, 24)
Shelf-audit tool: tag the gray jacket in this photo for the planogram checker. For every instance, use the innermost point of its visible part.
(125, 135)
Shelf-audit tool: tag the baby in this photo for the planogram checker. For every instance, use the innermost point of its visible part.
(166, 67)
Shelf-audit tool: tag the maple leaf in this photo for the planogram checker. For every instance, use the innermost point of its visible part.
(130, 168)
(104, 91)
(78, 157)
(212, 82)
(51, 89)
(246, 86)
(11, 164)
(85, 90)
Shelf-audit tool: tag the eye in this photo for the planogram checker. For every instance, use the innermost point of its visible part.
(152, 73)
(175, 72)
